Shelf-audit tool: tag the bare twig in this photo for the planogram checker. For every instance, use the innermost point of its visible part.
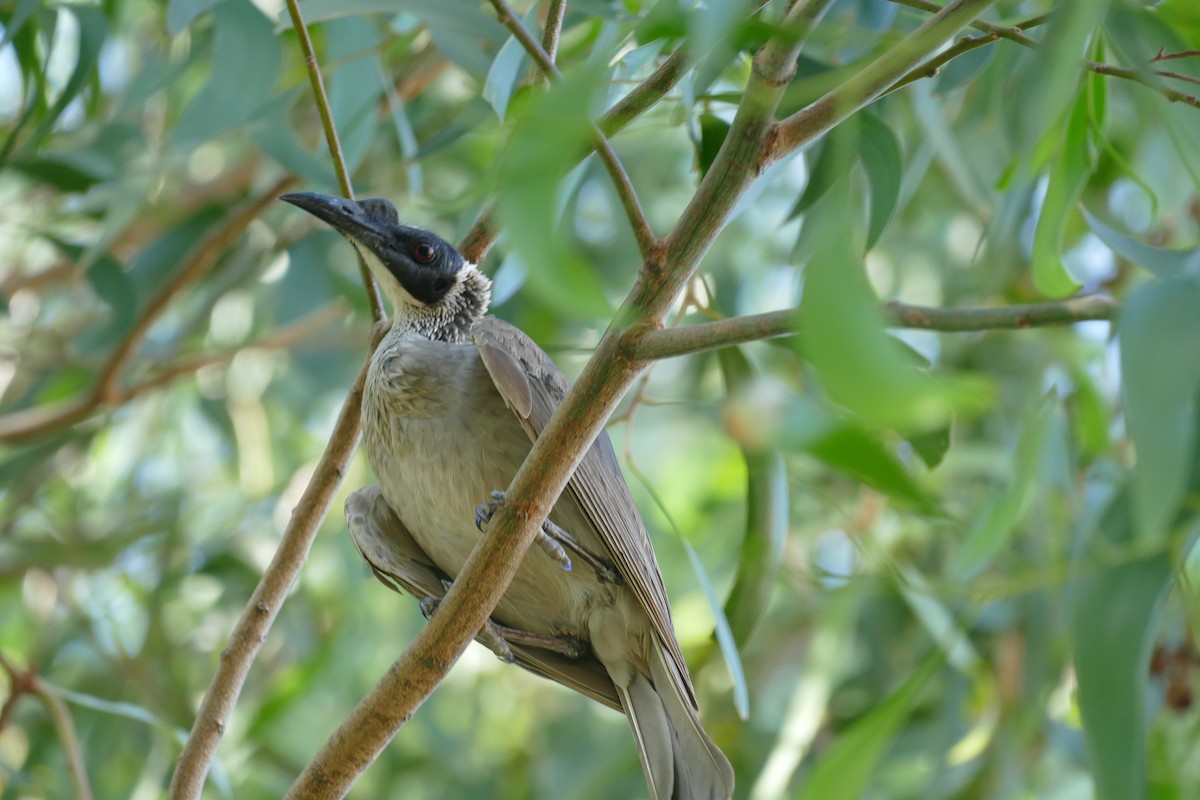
(648, 244)
(1163, 55)
(552, 30)
(27, 682)
(332, 140)
(1015, 33)
(670, 342)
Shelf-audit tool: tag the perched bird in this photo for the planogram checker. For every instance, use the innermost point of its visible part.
(452, 403)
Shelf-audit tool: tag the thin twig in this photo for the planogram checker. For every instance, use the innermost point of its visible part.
(64, 726)
(552, 30)
(1179, 76)
(671, 342)
(333, 142)
(1163, 55)
(648, 244)
(1015, 33)
(479, 240)
(27, 681)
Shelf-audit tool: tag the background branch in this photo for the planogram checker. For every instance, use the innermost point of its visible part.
(669, 342)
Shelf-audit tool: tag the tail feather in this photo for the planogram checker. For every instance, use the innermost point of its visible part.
(680, 761)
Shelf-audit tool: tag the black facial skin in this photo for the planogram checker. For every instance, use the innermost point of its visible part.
(424, 264)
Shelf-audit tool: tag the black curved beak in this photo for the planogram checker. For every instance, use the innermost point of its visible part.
(345, 216)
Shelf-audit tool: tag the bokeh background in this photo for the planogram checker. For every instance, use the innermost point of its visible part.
(990, 597)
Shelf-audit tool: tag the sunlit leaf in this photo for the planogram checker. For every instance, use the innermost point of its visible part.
(1068, 172)
(845, 768)
(842, 336)
(506, 70)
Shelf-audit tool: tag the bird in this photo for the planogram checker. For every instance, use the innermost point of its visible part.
(453, 401)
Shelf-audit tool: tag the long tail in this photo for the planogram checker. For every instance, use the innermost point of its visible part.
(680, 761)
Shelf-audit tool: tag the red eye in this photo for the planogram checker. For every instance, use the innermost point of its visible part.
(423, 252)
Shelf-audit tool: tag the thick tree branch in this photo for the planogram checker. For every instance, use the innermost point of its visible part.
(650, 345)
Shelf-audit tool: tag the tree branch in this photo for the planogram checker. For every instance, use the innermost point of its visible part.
(1016, 34)
(575, 424)
(251, 630)
(541, 479)
(650, 345)
(872, 80)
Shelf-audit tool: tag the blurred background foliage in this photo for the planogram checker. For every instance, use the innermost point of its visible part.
(979, 584)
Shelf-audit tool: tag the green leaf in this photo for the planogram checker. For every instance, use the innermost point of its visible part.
(506, 70)
(181, 13)
(832, 163)
(860, 366)
(1159, 332)
(844, 769)
(713, 131)
(1005, 510)
(932, 446)
(110, 283)
(544, 145)
(857, 452)
(880, 153)
(355, 86)
(93, 29)
(1166, 264)
(767, 510)
(271, 131)
(245, 62)
(1114, 617)
(1068, 173)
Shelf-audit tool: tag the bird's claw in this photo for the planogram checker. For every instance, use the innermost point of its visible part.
(490, 635)
(548, 543)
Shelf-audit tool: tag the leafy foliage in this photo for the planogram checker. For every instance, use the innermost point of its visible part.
(950, 565)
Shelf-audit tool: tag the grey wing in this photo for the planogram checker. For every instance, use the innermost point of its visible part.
(533, 387)
(400, 563)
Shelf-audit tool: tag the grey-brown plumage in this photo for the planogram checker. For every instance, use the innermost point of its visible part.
(452, 403)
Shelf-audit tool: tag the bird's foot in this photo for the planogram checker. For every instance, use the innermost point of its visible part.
(490, 636)
(545, 540)
(497, 637)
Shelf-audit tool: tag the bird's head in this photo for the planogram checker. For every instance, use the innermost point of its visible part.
(424, 276)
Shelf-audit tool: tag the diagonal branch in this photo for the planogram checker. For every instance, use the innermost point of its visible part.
(872, 80)
(651, 345)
